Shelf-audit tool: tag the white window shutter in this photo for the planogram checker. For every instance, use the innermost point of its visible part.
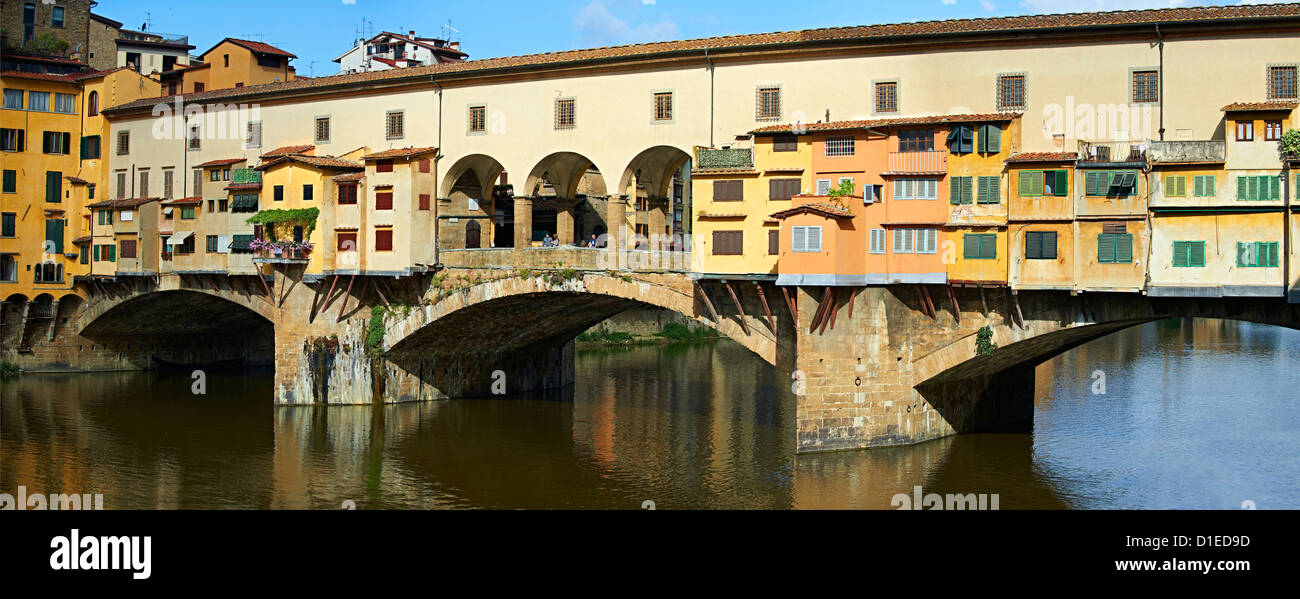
(814, 239)
(799, 239)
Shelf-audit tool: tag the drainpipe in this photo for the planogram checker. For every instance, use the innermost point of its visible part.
(437, 157)
(1161, 45)
(711, 94)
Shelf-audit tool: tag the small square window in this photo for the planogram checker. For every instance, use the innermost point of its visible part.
(1146, 87)
(767, 105)
(1011, 92)
(887, 96)
(322, 129)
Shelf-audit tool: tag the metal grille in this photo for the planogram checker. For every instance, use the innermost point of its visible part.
(195, 138)
(1146, 86)
(254, 137)
(887, 97)
(1011, 92)
(395, 125)
(840, 145)
(664, 106)
(477, 119)
(322, 130)
(1282, 83)
(565, 114)
(123, 143)
(768, 104)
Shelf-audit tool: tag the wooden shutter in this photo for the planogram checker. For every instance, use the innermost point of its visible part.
(1049, 245)
(798, 239)
(1105, 248)
(1196, 253)
(1274, 188)
(1124, 248)
(384, 239)
(990, 190)
(54, 234)
(1033, 245)
(383, 200)
(1026, 184)
(424, 201)
(773, 243)
(990, 139)
(1062, 185)
(971, 246)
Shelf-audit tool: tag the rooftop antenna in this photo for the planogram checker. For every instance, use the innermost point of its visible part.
(148, 20)
(448, 30)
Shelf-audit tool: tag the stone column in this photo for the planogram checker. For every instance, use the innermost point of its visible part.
(54, 322)
(658, 223)
(523, 221)
(616, 220)
(564, 220)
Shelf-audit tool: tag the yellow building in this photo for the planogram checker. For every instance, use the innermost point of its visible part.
(977, 219)
(1040, 215)
(299, 181)
(232, 63)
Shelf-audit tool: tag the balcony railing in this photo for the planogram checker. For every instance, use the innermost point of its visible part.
(919, 163)
(245, 176)
(155, 37)
(1187, 151)
(732, 158)
(1117, 152)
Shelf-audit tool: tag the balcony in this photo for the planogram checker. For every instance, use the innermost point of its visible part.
(154, 37)
(1113, 153)
(245, 176)
(1187, 152)
(934, 162)
(726, 159)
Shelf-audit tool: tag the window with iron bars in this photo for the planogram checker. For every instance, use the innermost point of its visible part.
(1146, 86)
(477, 119)
(1282, 82)
(565, 114)
(395, 125)
(1011, 92)
(839, 145)
(768, 104)
(887, 96)
(663, 106)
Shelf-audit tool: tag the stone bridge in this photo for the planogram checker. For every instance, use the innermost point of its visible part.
(871, 366)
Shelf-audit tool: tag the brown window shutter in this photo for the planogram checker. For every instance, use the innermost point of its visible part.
(773, 243)
(1115, 227)
(424, 201)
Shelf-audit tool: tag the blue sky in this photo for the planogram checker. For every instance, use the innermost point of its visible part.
(319, 30)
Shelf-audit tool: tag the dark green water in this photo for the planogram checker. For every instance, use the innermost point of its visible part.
(1197, 414)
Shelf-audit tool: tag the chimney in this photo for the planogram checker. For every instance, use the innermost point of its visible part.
(455, 46)
(412, 36)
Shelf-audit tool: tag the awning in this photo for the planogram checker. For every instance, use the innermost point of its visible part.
(244, 202)
(167, 210)
(240, 243)
(179, 238)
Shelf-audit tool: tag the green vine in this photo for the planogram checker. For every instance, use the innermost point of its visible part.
(375, 338)
(1291, 143)
(984, 345)
(838, 195)
(296, 216)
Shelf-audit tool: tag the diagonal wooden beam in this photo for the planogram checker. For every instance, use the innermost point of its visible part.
(265, 287)
(347, 295)
(956, 308)
(832, 308)
(793, 304)
(708, 303)
(735, 298)
(853, 299)
(767, 309)
(820, 314)
(380, 291)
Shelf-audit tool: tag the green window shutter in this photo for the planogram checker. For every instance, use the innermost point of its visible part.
(990, 191)
(1062, 185)
(1090, 184)
(1252, 188)
(1124, 248)
(990, 139)
(1274, 188)
(1196, 254)
(1243, 188)
(954, 140)
(1049, 245)
(1026, 184)
(1182, 186)
(96, 248)
(1198, 186)
(1243, 254)
(1171, 185)
(967, 139)
(112, 253)
(1036, 181)
(1033, 245)
(1271, 254)
(971, 246)
(10, 181)
(1180, 253)
(989, 247)
(1210, 187)
(1105, 249)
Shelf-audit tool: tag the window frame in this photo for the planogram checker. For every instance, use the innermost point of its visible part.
(1149, 87)
(561, 123)
(657, 115)
(328, 121)
(761, 92)
(1269, 81)
(879, 85)
(469, 119)
(392, 132)
(999, 97)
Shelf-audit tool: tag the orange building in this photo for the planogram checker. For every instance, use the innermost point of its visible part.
(229, 64)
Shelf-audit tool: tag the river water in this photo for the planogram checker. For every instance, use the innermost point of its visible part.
(1194, 414)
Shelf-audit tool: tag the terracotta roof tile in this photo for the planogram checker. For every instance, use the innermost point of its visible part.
(222, 162)
(350, 177)
(1270, 105)
(77, 180)
(804, 128)
(399, 153)
(317, 161)
(260, 47)
(826, 209)
(305, 150)
(243, 186)
(1044, 157)
(131, 203)
(723, 171)
(184, 201)
(84, 239)
(900, 32)
(38, 76)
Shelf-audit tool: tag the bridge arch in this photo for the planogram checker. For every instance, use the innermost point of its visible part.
(523, 326)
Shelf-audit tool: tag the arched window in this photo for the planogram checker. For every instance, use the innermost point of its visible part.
(93, 110)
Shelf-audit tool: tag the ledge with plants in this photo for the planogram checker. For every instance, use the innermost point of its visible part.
(280, 223)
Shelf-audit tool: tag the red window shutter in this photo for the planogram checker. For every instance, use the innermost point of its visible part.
(347, 194)
(424, 201)
(384, 166)
(424, 165)
(347, 242)
(384, 200)
(384, 240)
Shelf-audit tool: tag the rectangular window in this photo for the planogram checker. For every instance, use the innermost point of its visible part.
(806, 240)
(1146, 87)
(566, 116)
(56, 17)
(383, 240)
(1257, 254)
(121, 185)
(783, 189)
(90, 147)
(878, 241)
(961, 139)
(839, 145)
(887, 96)
(1175, 186)
(210, 247)
(1040, 245)
(728, 243)
(253, 136)
(663, 106)
(1245, 130)
(478, 119)
(990, 190)
(1261, 188)
(916, 189)
(346, 242)
(188, 212)
(1011, 92)
(960, 191)
(144, 184)
(53, 186)
(11, 140)
(1282, 83)
(728, 191)
(10, 181)
(384, 166)
(38, 101)
(980, 246)
(277, 193)
(347, 194)
(308, 192)
(383, 200)
(1272, 130)
(123, 143)
(322, 129)
(395, 125)
(1115, 248)
(54, 235)
(767, 104)
(1044, 183)
(127, 249)
(904, 241)
(990, 139)
(1189, 254)
(1117, 184)
(823, 187)
(785, 143)
(198, 182)
(8, 224)
(426, 202)
(65, 103)
(56, 142)
(774, 243)
(14, 99)
(168, 183)
(927, 241)
(916, 140)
